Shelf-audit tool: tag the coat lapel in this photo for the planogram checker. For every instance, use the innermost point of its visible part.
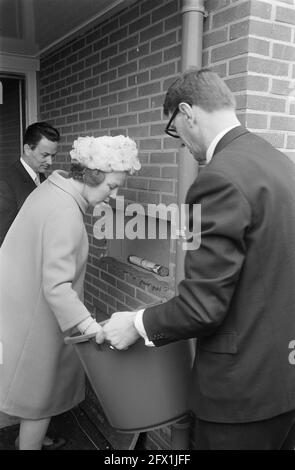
(25, 177)
(42, 177)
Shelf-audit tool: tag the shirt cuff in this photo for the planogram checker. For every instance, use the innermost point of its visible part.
(138, 323)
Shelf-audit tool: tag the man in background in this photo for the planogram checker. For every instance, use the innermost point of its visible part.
(25, 174)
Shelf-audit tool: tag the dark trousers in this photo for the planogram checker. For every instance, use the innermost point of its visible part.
(276, 433)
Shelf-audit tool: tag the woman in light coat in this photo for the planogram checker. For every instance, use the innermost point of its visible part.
(42, 268)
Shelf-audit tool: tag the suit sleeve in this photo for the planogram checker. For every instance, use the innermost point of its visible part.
(8, 209)
(63, 234)
(212, 270)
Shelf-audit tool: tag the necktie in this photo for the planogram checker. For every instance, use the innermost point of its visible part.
(37, 180)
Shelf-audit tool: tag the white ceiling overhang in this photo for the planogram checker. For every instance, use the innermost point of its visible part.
(32, 27)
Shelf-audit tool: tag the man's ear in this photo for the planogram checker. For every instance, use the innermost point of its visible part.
(186, 109)
(27, 149)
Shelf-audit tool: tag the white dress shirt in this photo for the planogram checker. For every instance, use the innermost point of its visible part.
(138, 320)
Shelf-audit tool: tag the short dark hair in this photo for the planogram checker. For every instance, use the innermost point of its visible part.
(200, 87)
(36, 131)
(87, 176)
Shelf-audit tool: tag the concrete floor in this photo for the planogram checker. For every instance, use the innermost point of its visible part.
(79, 432)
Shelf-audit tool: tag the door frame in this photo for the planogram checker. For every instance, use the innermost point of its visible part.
(28, 67)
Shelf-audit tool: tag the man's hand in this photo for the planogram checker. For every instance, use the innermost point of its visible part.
(120, 331)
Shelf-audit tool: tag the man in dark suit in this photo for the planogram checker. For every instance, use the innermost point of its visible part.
(238, 294)
(22, 177)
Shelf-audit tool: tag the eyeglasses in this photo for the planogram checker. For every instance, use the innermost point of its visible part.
(170, 130)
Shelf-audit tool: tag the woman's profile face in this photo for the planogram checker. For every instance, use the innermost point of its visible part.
(107, 189)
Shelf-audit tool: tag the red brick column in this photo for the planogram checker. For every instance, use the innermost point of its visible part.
(251, 44)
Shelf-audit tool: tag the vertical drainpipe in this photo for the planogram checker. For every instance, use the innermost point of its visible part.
(192, 44)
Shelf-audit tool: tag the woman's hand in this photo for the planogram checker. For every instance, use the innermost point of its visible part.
(96, 328)
(89, 326)
(99, 338)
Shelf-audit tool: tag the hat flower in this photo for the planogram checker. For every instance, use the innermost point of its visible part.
(106, 153)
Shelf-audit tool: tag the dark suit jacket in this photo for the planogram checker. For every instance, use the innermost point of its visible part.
(15, 186)
(238, 296)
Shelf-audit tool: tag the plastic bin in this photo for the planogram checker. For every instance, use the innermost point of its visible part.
(140, 388)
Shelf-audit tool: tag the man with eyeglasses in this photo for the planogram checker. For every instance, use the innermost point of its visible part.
(238, 294)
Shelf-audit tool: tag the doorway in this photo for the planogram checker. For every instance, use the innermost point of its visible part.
(12, 118)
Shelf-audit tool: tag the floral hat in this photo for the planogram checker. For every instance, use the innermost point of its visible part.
(106, 153)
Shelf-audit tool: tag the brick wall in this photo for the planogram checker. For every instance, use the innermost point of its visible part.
(112, 80)
(251, 45)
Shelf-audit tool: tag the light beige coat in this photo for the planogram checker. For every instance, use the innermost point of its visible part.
(42, 267)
